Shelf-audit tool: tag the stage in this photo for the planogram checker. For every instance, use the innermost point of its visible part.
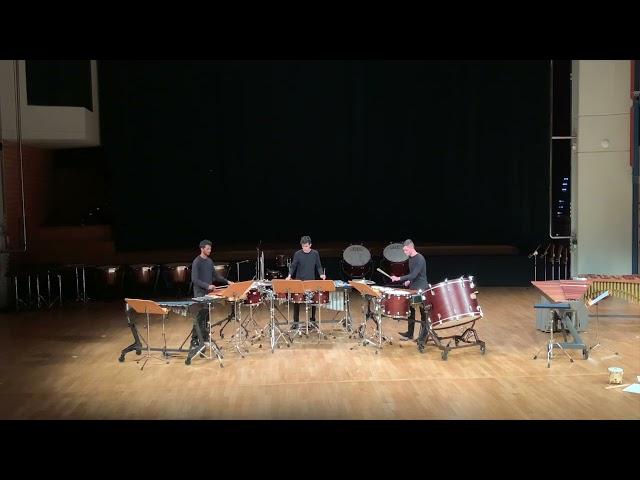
(63, 364)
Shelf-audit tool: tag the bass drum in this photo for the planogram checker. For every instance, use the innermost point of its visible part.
(356, 261)
(395, 261)
(453, 303)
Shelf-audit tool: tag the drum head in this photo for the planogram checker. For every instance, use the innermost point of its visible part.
(356, 255)
(393, 253)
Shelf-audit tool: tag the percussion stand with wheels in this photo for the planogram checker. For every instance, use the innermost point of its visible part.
(465, 338)
(555, 319)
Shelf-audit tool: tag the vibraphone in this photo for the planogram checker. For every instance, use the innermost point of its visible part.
(626, 287)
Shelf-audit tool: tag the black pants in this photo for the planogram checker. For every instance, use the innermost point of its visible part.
(296, 313)
(203, 322)
(412, 321)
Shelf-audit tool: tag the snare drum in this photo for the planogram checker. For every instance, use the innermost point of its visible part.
(254, 297)
(356, 261)
(396, 303)
(453, 303)
(397, 262)
(297, 297)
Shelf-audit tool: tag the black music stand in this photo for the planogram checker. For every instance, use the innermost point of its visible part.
(596, 301)
(148, 307)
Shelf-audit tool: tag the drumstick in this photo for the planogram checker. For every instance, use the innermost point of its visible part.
(384, 273)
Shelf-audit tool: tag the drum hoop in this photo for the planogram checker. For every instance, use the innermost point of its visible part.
(447, 282)
(440, 321)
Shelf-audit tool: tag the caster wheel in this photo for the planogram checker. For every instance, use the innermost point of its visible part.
(121, 358)
(221, 366)
(138, 352)
(288, 345)
(364, 344)
(187, 361)
(445, 355)
(585, 354)
(259, 346)
(376, 352)
(222, 335)
(483, 349)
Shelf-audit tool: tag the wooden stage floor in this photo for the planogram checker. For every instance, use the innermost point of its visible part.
(63, 364)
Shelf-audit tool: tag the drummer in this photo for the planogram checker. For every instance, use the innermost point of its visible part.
(416, 279)
(305, 264)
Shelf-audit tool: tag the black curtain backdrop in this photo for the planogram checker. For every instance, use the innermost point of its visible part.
(242, 151)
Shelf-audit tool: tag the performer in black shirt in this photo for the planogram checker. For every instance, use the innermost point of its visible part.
(416, 279)
(203, 274)
(305, 264)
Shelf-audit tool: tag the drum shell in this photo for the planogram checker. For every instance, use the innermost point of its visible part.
(396, 304)
(254, 297)
(453, 303)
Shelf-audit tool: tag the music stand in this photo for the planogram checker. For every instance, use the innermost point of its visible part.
(236, 293)
(289, 287)
(596, 301)
(369, 295)
(148, 307)
(318, 286)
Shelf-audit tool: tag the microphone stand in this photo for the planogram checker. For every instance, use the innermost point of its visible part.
(534, 254)
(544, 261)
(238, 268)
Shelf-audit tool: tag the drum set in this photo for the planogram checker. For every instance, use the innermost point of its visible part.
(452, 303)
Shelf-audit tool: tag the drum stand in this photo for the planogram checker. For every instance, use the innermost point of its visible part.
(555, 319)
(378, 338)
(203, 344)
(240, 335)
(316, 326)
(465, 337)
(226, 321)
(259, 332)
(273, 327)
(345, 323)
